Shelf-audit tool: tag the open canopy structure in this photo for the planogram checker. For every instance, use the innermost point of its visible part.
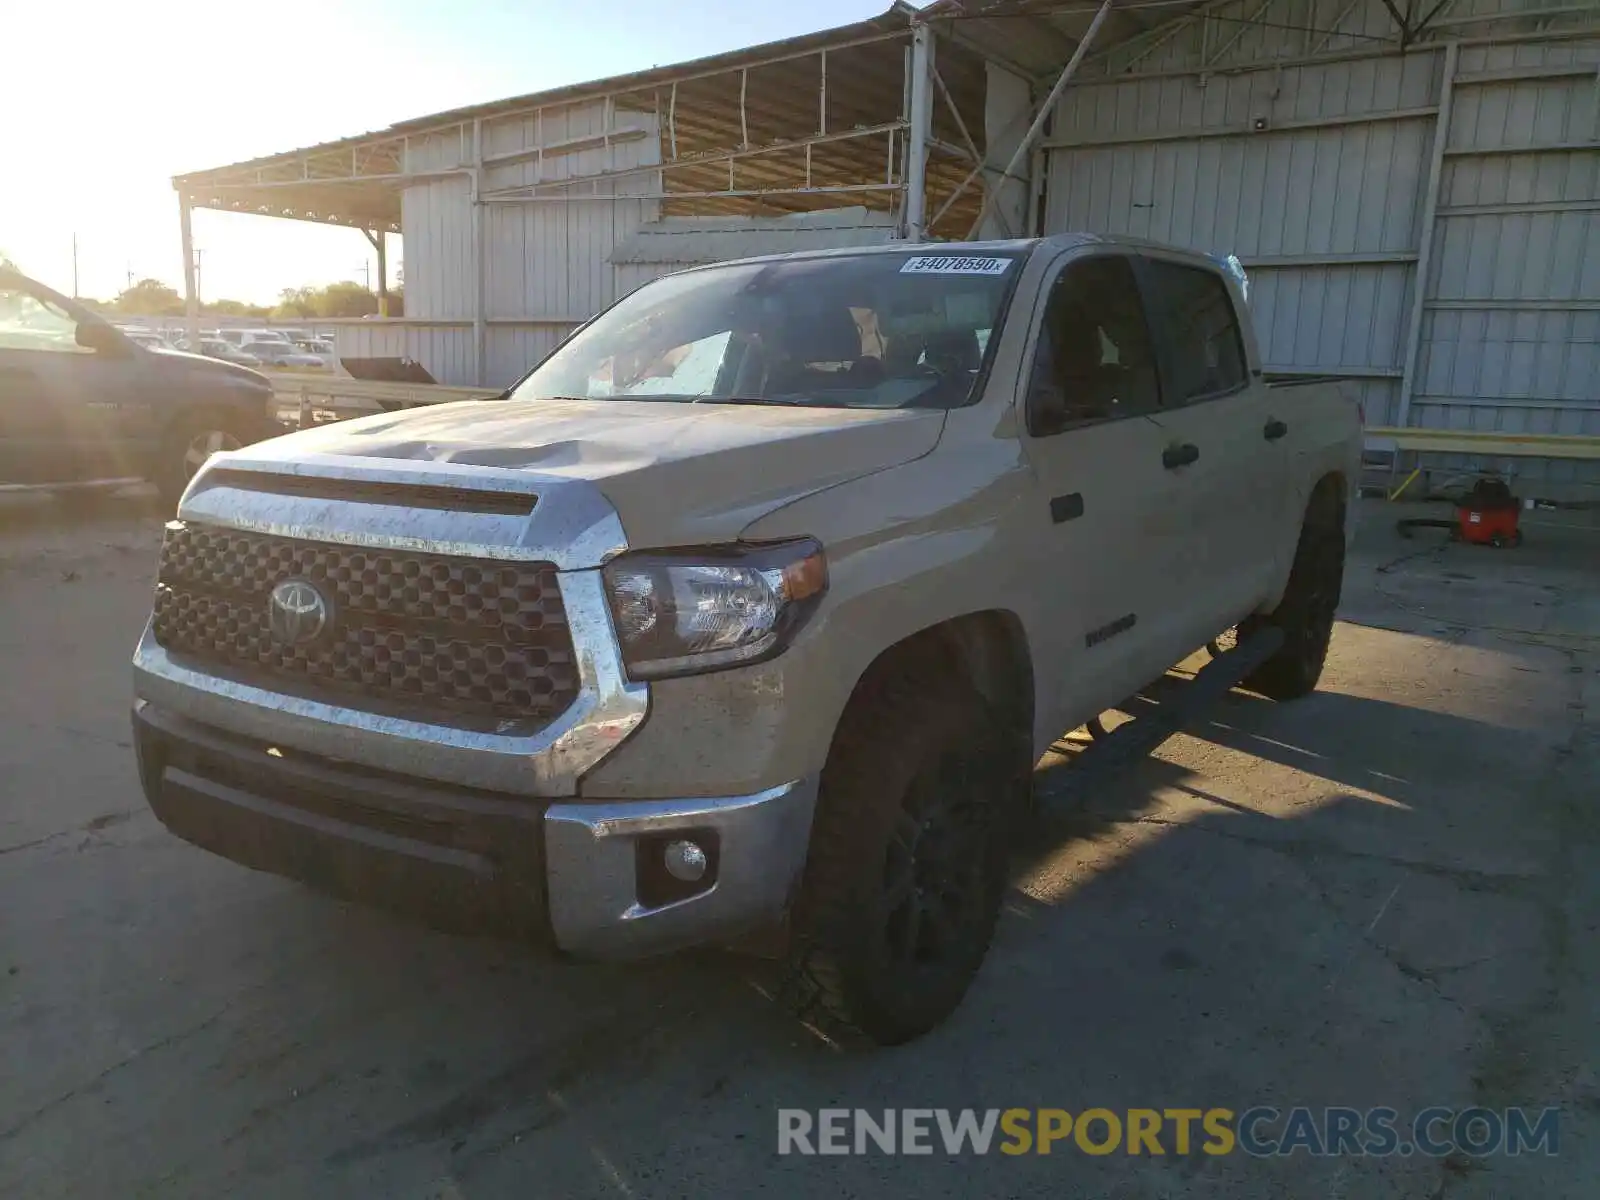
(1379, 166)
(783, 127)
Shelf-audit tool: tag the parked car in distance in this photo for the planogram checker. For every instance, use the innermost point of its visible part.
(271, 346)
(83, 405)
(274, 356)
(147, 339)
(749, 610)
(318, 348)
(217, 348)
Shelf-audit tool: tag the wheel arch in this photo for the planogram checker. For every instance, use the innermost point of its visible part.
(988, 650)
(1328, 498)
(1329, 495)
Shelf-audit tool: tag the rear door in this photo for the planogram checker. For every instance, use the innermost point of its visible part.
(1091, 391)
(1222, 445)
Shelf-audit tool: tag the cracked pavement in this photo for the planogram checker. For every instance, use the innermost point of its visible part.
(1381, 895)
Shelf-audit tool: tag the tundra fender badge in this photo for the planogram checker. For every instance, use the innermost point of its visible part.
(1106, 632)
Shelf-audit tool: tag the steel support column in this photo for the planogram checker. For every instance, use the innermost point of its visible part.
(191, 286)
(381, 245)
(1025, 146)
(1430, 216)
(480, 324)
(921, 117)
(377, 239)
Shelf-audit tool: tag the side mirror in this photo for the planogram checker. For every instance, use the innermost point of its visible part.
(102, 339)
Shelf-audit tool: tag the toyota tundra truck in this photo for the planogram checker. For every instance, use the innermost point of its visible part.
(749, 610)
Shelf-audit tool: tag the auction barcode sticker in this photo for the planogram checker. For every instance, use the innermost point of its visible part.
(951, 264)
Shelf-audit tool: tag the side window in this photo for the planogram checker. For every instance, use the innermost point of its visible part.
(28, 323)
(1093, 361)
(1205, 353)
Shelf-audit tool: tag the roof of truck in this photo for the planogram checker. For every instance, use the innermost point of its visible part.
(1059, 241)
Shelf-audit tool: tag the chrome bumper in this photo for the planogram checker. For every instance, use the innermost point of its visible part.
(592, 852)
(575, 874)
(389, 810)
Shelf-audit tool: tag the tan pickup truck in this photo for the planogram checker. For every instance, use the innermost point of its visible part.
(749, 609)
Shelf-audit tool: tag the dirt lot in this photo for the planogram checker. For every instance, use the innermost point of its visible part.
(1382, 895)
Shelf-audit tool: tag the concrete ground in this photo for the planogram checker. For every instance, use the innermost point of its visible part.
(1382, 895)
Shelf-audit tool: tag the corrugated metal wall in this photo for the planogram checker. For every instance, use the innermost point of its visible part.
(546, 264)
(1317, 176)
(1511, 322)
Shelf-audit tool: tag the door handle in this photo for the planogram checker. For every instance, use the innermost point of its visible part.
(1274, 429)
(1180, 456)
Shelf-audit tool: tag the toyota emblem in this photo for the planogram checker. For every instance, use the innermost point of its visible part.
(296, 612)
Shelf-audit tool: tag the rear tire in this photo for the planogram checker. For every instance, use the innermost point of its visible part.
(1305, 614)
(189, 442)
(908, 859)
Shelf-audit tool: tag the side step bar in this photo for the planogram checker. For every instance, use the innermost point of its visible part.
(1135, 739)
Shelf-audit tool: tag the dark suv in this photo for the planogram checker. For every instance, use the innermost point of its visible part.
(81, 405)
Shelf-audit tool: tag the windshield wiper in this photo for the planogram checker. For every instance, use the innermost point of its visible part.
(771, 402)
(742, 400)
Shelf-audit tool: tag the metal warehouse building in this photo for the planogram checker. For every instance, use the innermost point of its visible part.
(1411, 184)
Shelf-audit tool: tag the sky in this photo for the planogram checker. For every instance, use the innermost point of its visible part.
(109, 100)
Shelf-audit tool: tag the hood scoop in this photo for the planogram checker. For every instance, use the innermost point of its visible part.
(376, 491)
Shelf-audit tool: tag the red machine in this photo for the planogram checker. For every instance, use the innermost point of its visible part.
(1488, 515)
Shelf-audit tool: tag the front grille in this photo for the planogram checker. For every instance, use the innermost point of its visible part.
(469, 636)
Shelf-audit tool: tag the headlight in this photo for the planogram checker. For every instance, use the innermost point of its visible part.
(686, 612)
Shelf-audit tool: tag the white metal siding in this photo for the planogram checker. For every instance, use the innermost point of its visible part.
(545, 263)
(436, 222)
(1324, 217)
(1325, 203)
(1511, 325)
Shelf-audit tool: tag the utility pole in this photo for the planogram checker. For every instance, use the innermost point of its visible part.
(199, 262)
(366, 273)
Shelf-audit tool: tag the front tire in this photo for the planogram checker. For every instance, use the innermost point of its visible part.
(188, 444)
(1306, 612)
(908, 859)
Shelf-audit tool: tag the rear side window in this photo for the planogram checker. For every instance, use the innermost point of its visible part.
(1204, 353)
(1093, 360)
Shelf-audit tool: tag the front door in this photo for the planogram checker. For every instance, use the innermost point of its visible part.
(1097, 455)
(68, 412)
(38, 350)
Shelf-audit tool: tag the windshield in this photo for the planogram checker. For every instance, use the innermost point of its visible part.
(857, 331)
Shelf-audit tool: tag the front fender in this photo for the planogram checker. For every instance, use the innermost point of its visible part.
(939, 554)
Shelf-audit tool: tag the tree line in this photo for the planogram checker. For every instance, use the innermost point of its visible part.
(152, 298)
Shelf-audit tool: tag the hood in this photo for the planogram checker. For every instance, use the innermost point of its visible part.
(677, 474)
(182, 362)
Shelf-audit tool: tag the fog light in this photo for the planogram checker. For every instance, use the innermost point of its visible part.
(685, 861)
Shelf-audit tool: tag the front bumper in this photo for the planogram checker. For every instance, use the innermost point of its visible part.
(581, 877)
